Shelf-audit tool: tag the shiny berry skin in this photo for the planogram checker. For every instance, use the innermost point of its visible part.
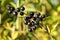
(32, 13)
(34, 27)
(15, 13)
(35, 22)
(22, 8)
(34, 18)
(21, 13)
(43, 16)
(18, 10)
(9, 11)
(32, 23)
(30, 16)
(38, 14)
(29, 24)
(26, 22)
(27, 17)
(29, 29)
(11, 8)
(8, 7)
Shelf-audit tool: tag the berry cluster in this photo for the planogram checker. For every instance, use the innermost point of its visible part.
(32, 20)
(13, 11)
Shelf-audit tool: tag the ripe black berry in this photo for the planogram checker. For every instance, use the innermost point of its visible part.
(27, 17)
(22, 8)
(29, 24)
(34, 18)
(38, 15)
(8, 7)
(18, 10)
(15, 13)
(29, 29)
(43, 16)
(34, 27)
(9, 11)
(32, 13)
(32, 23)
(11, 8)
(26, 22)
(21, 13)
(30, 16)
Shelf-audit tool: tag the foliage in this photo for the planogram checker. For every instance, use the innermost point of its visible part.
(10, 27)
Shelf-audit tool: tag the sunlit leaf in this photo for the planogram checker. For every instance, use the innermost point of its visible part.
(58, 8)
(48, 29)
(54, 2)
(54, 33)
(3, 2)
(7, 26)
(14, 5)
(9, 38)
(14, 35)
(54, 25)
(6, 32)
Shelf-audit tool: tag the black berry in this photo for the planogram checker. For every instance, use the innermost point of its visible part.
(8, 7)
(18, 10)
(34, 18)
(43, 16)
(15, 13)
(26, 22)
(32, 13)
(32, 23)
(22, 8)
(21, 13)
(9, 11)
(28, 17)
(29, 29)
(34, 27)
(29, 24)
(38, 15)
(11, 8)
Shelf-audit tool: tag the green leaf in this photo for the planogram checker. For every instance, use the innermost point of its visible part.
(2, 3)
(6, 32)
(48, 30)
(54, 25)
(14, 35)
(13, 4)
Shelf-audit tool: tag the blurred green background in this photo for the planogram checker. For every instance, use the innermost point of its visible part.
(10, 28)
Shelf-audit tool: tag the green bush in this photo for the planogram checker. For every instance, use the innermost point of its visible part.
(13, 27)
